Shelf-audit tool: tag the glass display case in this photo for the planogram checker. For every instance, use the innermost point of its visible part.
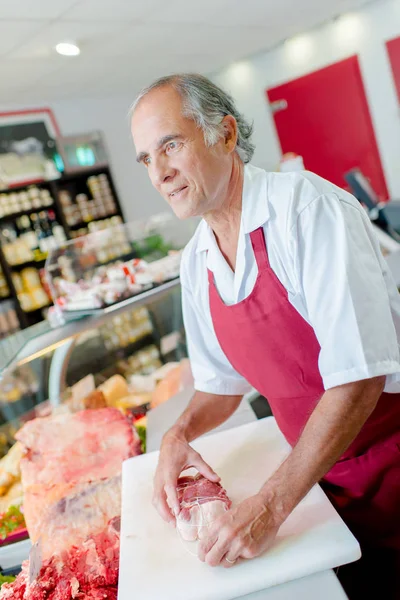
(127, 352)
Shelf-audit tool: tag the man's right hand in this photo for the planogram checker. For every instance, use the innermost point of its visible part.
(176, 455)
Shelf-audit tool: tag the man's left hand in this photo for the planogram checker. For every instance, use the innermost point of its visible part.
(245, 531)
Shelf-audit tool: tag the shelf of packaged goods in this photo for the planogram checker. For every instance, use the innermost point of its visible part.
(37, 181)
(82, 224)
(23, 213)
(29, 263)
(75, 261)
(85, 173)
(40, 339)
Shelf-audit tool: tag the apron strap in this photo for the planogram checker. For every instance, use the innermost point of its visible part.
(259, 248)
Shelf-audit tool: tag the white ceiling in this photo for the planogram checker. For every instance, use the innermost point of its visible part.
(127, 43)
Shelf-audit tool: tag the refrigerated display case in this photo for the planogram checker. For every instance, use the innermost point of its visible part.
(108, 356)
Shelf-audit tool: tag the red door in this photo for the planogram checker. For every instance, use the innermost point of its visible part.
(324, 117)
(393, 48)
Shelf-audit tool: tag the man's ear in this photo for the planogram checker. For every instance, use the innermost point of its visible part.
(230, 132)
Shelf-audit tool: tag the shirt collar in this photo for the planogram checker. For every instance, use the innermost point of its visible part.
(255, 207)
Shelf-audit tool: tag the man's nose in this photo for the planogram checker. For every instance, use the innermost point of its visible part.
(162, 171)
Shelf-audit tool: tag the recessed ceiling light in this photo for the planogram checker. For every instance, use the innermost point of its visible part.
(68, 49)
(241, 71)
(300, 48)
(349, 27)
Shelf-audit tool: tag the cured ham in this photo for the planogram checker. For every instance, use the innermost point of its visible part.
(201, 502)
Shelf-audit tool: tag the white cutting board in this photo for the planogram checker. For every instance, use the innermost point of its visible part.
(154, 564)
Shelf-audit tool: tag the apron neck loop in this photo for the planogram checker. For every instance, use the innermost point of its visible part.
(259, 247)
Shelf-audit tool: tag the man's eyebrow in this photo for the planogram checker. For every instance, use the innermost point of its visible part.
(164, 140)
(141, 156)
(168, 138)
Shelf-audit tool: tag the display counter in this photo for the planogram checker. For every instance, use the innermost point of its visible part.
(109, 359)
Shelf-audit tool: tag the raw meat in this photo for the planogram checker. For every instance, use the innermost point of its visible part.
(71, 478)
(201, 502)
(88, 572)
(68, 519)
(80, 447)
(70, 456)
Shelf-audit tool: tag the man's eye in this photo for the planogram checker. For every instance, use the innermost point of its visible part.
(171, 146)
(146, 161)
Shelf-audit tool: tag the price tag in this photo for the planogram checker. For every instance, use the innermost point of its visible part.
(35, 560)
(83, 388)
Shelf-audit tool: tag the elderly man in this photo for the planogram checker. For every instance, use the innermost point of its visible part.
(284, 287)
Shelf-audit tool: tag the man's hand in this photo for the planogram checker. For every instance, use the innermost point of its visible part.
(243, 532)
(176, 455)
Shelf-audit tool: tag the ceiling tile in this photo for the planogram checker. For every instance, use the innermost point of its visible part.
(155, 40)
(14, 33)
(16, 71)
(34, 9)
(84, 34)
(111, 10)
(182, 11)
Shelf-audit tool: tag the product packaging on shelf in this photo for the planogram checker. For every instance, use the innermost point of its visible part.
(109, 265)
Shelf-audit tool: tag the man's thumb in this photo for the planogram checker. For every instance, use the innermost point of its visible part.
(206, 470)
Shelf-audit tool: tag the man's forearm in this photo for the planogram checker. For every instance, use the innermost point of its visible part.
(205, 412)
(335, 422)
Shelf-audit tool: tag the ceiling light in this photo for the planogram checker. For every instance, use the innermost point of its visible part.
(68, 49)
(348, 28)
(241, 72)
(300, 48)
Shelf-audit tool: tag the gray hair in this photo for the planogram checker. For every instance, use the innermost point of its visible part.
(207, 104)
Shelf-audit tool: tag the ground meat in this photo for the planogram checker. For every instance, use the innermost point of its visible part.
(81, 573)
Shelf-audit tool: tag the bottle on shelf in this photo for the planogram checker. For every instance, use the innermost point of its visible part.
(27, 233)
(51, 242)
(58, 231)
(40, 234)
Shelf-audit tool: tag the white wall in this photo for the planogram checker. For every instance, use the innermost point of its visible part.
(363, 33)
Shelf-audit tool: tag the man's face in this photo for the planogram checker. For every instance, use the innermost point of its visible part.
(189, 175)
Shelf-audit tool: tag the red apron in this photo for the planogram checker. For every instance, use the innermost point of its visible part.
(270, 344)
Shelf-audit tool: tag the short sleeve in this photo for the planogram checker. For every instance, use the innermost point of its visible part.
(341, 278)
(211, 370)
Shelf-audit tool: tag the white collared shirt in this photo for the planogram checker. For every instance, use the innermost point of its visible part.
(322, 247)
